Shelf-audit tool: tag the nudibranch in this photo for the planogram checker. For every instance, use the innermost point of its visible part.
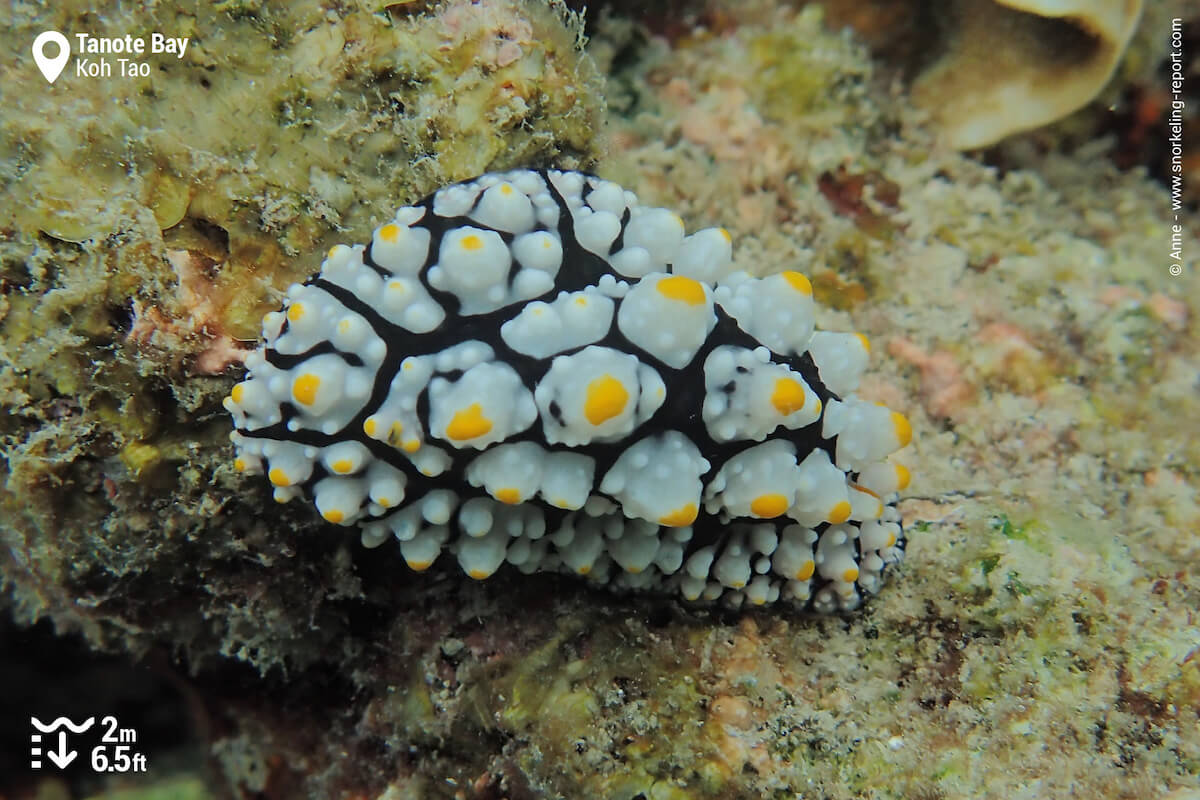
(532, 368)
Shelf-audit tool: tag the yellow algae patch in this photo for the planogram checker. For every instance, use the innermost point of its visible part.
(788, 396)
(606, 398)
(684, 515)
(769, 505)
(304, 389)
(686, 290)
(839, 513)
(468, 423)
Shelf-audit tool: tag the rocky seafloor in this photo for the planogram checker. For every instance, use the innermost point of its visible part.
(1041, 638)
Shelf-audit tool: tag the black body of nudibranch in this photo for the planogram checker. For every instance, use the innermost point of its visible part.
(532, 368)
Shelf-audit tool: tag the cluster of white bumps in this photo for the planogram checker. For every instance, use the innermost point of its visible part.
(531, 368)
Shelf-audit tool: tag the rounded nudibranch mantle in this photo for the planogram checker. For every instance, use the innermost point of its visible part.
(532, 368)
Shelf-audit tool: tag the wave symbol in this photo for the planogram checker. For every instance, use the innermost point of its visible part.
(62, 722)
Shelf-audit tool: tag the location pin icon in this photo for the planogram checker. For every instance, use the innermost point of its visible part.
(51, 67)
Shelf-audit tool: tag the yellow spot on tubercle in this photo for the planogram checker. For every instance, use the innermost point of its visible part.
(419, 566)
(769, 505)
(606, 398)
(584, 569)
(581, 301)
(866, 343)
(798, 281)
(788, 396)
(506, 188)
(369, 426)
(342, 466)
(850, 575)
(278, 477)
(479, 574)
(239, 465)
(237, 393)
(508, 495)
(389, 233)
(333, 515)
(411, 446)
(903, 476)
(295, 311)
(344, 326)
(725, 233)
(394, 433)
(891, 539)
(468, 423)
(902, 427)
(684, 515)
(678, 287)
(471, 242)
(839, 513)
(805, 572)
(305, 388)
(386, 502)
(865, 489)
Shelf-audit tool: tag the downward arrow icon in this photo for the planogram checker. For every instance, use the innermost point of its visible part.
(63, 756)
